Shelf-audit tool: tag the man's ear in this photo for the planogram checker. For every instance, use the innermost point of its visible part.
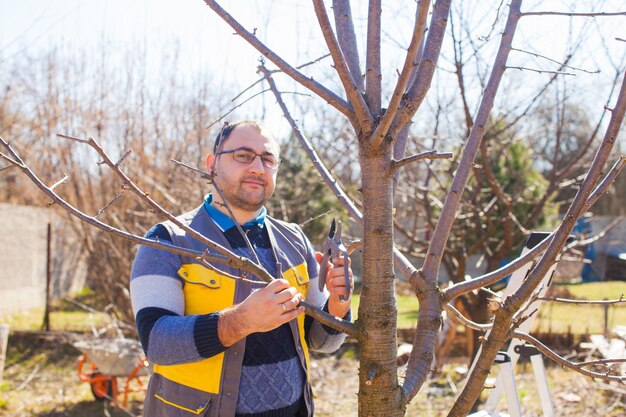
(210, 158)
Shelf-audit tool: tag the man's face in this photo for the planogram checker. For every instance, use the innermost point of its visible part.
(245, 186)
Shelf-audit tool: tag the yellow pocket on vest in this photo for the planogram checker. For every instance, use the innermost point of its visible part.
(205, 290)
(298, 276)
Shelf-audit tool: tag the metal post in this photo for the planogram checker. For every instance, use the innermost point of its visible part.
(4, 339)
(46, 316)
(606, 321)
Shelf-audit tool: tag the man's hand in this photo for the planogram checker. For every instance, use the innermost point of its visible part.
(336, 284)
(263, 310)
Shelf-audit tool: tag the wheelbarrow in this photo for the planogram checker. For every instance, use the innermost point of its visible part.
(110, 359)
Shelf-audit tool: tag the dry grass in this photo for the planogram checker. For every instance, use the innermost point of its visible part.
(40, 380)
(581, 319)
(336, 386)
(40, 374)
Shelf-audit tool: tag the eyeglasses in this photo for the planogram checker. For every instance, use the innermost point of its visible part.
(247, 156)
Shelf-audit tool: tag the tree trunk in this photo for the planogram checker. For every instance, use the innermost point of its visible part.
(379, 392)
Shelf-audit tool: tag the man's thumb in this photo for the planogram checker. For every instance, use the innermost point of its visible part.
(318, 257)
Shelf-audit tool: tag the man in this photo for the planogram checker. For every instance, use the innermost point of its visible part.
(225, 347)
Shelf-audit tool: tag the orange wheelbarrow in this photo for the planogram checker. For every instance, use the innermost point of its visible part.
(110, 359)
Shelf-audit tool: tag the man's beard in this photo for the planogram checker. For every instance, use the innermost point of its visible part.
(249, 200)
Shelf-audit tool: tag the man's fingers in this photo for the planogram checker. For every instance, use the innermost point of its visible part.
(278, 285)
(291, 304)
(318, 257)
(339, 282)
(292, 314)
(340, 261)
(286, 295)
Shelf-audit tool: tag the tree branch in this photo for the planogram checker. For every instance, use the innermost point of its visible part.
(578, 367)
(373, 74)
(541, 71)
(333, 99)
(347, 39)
(434, 154)
(402, 264)
(353, 93)
(228, 258)
(446, 219)
(598, 236)
(561, 64)
(243, 263)
(492, 277)
(501, 330)
(409, 66)
(457, 315)
(105, 227)
(59, 182)
(421, 84)
(602, 14)
(621, 299)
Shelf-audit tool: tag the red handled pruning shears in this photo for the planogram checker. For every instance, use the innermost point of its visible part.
(332, 249)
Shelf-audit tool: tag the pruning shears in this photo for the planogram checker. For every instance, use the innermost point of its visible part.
(332, 249)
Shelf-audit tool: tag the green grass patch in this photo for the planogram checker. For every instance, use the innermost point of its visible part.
(609, 290)
(407, 310)
(553, 317)
(60, 320)
(558, 317)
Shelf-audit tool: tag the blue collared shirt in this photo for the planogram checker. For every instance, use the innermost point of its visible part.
(224, 222)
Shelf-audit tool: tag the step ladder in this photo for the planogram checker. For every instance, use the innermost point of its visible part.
(505, 380)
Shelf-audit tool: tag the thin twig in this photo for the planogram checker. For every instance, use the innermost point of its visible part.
(128, 152)
(562, 64)
(579, 367)
(315, 61)
(59, 182)
(595, 238)
(222, 117)
(260, 80)
(540, 71)
(621, 299)
(203, 174)
(395, 165)
(73, 138)
(10, 160)
(310, 219)
(111, 202)
(600, 14)
(456, 314)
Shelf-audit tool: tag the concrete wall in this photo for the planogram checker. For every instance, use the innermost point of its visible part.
(23, 251)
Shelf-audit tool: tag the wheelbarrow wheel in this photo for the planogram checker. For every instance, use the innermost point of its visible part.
(101, 388)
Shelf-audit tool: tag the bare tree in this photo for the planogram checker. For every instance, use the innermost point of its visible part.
(380, 133)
